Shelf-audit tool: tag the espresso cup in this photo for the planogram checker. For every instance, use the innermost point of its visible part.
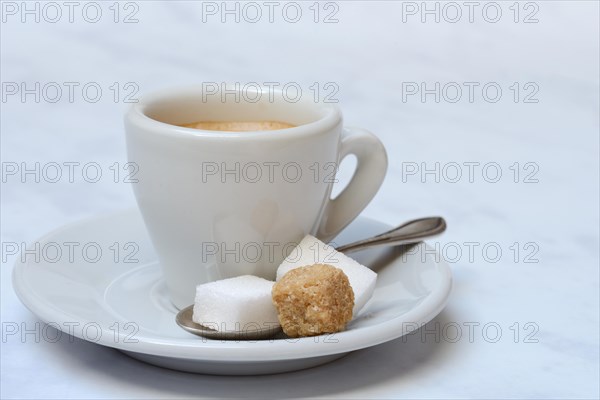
(222, 204)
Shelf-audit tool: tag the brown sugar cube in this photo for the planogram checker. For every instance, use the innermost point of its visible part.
(313, 300)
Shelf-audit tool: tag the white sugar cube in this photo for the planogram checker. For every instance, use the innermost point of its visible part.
(312, 251)
(235, 304)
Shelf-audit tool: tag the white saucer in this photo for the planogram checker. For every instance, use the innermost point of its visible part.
(125, 305)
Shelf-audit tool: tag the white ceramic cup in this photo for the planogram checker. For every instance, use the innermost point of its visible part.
(223, 204)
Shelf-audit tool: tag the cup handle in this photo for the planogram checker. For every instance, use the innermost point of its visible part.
(370, 170)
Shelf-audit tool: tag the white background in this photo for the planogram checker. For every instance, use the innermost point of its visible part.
(370, 55)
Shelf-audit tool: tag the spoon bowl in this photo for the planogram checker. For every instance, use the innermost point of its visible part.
(184, 320)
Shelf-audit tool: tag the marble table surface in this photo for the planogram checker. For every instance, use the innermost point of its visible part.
(489, 113)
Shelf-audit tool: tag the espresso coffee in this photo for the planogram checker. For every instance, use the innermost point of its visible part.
(239, 126)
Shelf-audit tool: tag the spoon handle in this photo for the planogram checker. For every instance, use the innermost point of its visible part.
(410, 232)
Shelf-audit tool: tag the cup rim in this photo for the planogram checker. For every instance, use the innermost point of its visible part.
(136, 115)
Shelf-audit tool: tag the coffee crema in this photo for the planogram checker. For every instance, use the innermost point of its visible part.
(239, 126)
